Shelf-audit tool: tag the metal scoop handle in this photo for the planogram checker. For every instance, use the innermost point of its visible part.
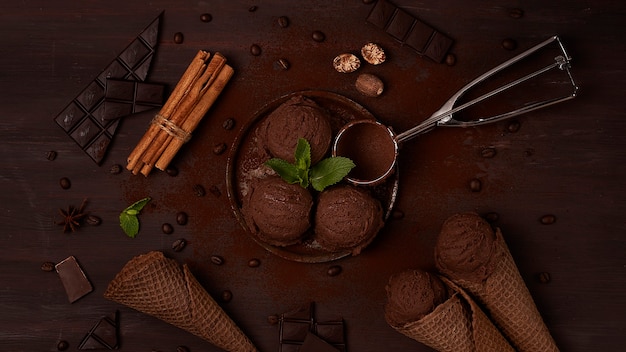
(443, 116)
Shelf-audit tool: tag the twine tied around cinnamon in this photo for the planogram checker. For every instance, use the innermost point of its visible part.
(170, 128)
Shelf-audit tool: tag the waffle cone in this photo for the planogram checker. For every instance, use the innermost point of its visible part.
(158, 286)
(509, 303)
(457, 325)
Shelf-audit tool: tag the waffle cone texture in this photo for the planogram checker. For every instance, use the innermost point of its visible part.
(508, 302)
(456, 325)
(158, 286)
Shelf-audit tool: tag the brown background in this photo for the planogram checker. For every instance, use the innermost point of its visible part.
(567, 160)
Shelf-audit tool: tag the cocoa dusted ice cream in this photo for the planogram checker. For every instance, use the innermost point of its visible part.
(347, 218)
(412, 294)
(279, 213)
(298, 117)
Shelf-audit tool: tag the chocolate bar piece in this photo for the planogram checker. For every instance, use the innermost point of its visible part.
(297, 326)
(83, 119)
(313, 343)
(103, 335)
(124, 97)
(409, 30)
(73, 278)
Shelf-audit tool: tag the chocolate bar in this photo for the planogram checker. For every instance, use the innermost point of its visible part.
(123, 97)
(409, 30)
(297, 326)
(83, 119)
(103, 335)
(73, 278)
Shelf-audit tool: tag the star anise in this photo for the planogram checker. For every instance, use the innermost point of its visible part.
(72, 217)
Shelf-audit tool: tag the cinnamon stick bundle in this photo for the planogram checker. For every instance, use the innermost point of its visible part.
(195, 93)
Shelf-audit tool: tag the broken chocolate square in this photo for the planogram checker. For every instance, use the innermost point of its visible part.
(73, 278)
(103, 335)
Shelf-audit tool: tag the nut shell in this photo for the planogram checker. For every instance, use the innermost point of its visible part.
(369, 85)
(373, 54)
(346, 63)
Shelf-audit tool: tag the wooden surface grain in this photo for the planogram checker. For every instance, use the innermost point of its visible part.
(568, 160)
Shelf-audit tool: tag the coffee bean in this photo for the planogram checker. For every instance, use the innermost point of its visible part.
(63, 345)
(513, 126)
(93, 220)
(397, 214)
(181, 218)
(228, 124)
(450, 59)
(179, 38)
(199, 190)
(167, 228)
(65, 183)
(283, 21)
(179, 245)
(47, 266)
(544, 277)
(51, 155)
(215, 191)
(227, 296)
(516, 13)
(334, 270)
(475, 185)
(171, 171)
(492, 217)
(115, 169)
(548, 219)
(217, 260)
(254, 263)
(488, 153)
(273, 319)
(509, 44)
(219, 148)
(206, 17)
(182, 349)
(318, 36)
(282, 64)
(252, 8)
(255, 50)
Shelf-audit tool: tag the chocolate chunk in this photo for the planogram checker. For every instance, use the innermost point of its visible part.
(400, 25)
(438, 47)
(381, 13)
(103, 335)
(296, 326)
(73, 278)
(419, 36)
(83, 119)
(124, 97)
(313, 343)
(332, 332)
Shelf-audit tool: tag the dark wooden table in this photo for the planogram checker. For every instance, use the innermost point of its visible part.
(567, 161)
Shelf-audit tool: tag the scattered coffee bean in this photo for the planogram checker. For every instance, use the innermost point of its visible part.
(488, 153)
(492, 217)
(252, 8)
(179, 245)
(228, 124)
(475, 185)
(206, 17)
(115, 169)
(516, 13)
(282, 64)
(273, 319)
(227, 296)
(182, 349)
(509, 44)
(450, 59)
(51, 155)
(397, 214)
(334, 270)
(318, 36)
(65, 183)
(63, 345)
(171, 171)
(544, 277)
(47, 266)
(219, 148)
(283, 21)
(548, 219)
(182, 218)
(254, 263)
(167, 228)
(513, 126)
(93, 220)
(369, 85)
(179, 38)
(255, 50)
(215, 191)
(217, 260)
(199, 190)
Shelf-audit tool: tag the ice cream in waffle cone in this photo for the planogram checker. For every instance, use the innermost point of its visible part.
(437, 313)
(158, 286)
(475, 257)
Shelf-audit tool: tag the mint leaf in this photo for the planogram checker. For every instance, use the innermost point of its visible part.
(330, 171)
(302, 155)
(128, 217)
(138, 205)
(288, 172)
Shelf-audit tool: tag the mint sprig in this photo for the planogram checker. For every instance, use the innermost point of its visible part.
(325, 173)
(128, 217)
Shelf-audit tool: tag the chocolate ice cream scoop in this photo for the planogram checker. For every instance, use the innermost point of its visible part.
(412, 294)
(298, 117)
(465, 247)
(278, 212)
(347, 217)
